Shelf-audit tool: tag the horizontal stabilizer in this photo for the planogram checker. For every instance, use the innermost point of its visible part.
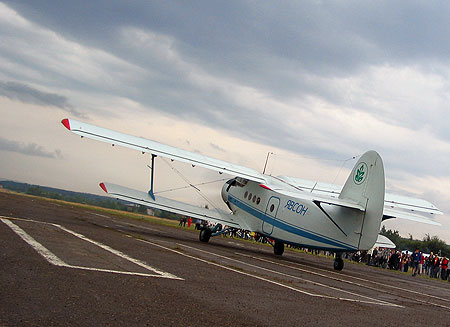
(395, 201)
(328, 200)
(158, 149)
(339, 203)
(143, 198)
(393, 213)
(384, 242)
(391, 201)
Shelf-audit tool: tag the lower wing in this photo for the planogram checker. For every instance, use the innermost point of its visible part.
(217, 216)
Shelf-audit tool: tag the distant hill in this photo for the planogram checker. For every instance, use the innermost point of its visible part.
(58, 193)
(79, 197)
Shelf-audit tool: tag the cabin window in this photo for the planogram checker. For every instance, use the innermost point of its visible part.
(245, 195)
(250, 196)
(272, 208)
(254, 198)
(258, 200)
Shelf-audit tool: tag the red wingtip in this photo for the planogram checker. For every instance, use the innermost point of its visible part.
(266, 187)
(103, 187)
(66, 123)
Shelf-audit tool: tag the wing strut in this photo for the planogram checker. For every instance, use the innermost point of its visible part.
(152, 195)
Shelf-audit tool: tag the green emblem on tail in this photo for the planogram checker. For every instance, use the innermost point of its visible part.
(360, 173)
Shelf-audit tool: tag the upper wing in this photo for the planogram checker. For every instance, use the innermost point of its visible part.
(143, 198)
(395, 206)
(144, 145)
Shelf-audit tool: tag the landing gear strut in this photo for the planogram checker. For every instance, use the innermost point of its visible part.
(338, 262)
(278, 248)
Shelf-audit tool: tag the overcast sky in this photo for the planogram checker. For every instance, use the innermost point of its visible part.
(314, 82)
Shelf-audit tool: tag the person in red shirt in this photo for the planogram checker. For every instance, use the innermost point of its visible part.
(436, 265)
(189, 222)
(444, 265)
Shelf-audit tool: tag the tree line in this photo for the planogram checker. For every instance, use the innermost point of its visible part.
(427, 245)
(84, 198)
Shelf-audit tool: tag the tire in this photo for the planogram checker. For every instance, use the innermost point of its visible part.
(205, 235)
(338, 264)
(278, 248)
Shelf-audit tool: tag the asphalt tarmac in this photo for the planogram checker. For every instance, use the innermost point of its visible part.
(62, 265)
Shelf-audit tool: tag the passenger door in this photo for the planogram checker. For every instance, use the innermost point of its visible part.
(270, 215)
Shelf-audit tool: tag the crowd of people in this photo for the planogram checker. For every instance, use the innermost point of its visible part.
(416, 262)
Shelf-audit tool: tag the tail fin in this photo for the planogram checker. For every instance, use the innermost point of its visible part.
(365, 186)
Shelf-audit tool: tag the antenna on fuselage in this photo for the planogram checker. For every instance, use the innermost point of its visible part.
(267, 159)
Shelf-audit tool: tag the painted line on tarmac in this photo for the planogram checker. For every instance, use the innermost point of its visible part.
(53, 259)
(381, 284)
(120, 254)
(383, 303)
(343, 280)
(97, 214)
(42, 250)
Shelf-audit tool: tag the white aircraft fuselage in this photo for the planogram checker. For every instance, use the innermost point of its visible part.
(281, 215)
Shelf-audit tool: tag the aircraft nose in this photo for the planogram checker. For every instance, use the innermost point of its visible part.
(225, 193)
(225, 189)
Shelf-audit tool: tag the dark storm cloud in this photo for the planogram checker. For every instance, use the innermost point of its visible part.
(30, 149)
(289, 51)
(27, 94)
(274, 46)
(247, 39)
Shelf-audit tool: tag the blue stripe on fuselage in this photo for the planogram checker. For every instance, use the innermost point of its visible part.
(297, 230)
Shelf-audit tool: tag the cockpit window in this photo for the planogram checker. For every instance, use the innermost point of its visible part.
(241, 182)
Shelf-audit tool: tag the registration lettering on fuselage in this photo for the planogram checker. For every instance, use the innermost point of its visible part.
(296, 207)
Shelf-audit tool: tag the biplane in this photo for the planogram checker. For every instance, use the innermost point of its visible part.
(283, 209)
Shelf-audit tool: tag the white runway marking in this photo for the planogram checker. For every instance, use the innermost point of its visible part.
(53, 259)
(97, 214)
(42, 250)
(416, 298)
(296, 277)
(377, 302)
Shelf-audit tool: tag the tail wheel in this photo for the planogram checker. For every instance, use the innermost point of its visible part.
(205, 235)
(278, 248)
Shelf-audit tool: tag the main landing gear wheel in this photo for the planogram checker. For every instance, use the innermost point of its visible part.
(205, 235)
(338, 263)
(278, 248)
